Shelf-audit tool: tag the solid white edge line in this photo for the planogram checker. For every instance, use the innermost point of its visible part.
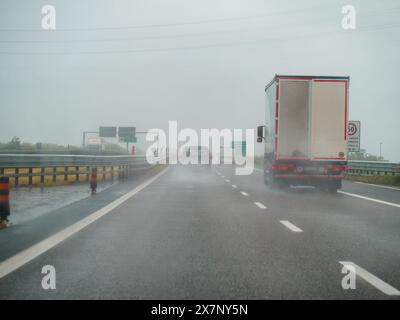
(370, 199)
(290, 226)
(244, 193)
(377, 185)
(371, 279)
(11, 264)
(260, 205)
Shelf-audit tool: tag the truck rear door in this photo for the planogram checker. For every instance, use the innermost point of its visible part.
(328, 119)
(293, 121)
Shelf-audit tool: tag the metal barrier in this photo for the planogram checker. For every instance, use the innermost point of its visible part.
(53, 160)
(44, 169)
(373, 168)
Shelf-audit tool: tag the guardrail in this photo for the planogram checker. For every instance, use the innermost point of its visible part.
(45, 169)
(373, 168)
(64, 152)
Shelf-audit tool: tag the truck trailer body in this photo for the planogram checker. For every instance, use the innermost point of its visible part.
(305, 131)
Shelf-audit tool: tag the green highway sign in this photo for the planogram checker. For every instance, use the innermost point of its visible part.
(127, 134)
(239, 146)
(108, 132)
(127, 139)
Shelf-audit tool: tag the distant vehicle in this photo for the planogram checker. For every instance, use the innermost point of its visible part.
(198, 154)
(305, 131)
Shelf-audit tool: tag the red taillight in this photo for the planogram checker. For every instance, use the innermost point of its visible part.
(281, 167)
(335, 168)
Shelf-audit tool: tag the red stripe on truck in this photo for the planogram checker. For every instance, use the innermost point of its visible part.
(308, 177)
(276, 115)
(329, 158)
(277, 91)
(295, 78)
(292, 158)
(327, 80)
(345, 111)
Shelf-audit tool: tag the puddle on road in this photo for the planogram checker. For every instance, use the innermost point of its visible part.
(29, 203)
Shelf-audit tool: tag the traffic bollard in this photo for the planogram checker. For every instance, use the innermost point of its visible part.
(4, 201)
(93, 180)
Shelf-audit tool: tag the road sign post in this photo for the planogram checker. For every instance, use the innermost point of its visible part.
(128, 135)
(353, 142)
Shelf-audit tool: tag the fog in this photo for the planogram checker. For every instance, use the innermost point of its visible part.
(202, 63)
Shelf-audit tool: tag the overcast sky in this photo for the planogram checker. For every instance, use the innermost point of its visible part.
(204, 63)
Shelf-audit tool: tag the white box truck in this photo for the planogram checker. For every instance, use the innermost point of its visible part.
(305, 131)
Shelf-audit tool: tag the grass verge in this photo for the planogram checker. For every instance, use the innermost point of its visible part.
(376, 179)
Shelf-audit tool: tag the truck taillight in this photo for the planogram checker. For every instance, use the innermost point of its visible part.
(335, 168)
(281, 167)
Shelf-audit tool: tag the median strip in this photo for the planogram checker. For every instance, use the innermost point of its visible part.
(371, 279)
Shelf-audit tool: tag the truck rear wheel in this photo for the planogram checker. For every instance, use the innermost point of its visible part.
(274, 183)
(334, 186)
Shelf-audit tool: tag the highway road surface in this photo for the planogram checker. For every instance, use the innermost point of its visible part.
(200, 232)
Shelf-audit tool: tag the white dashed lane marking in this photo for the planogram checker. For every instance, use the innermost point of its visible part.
(234, 186)
(244, 193)
(260, 205)
(290, 226)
